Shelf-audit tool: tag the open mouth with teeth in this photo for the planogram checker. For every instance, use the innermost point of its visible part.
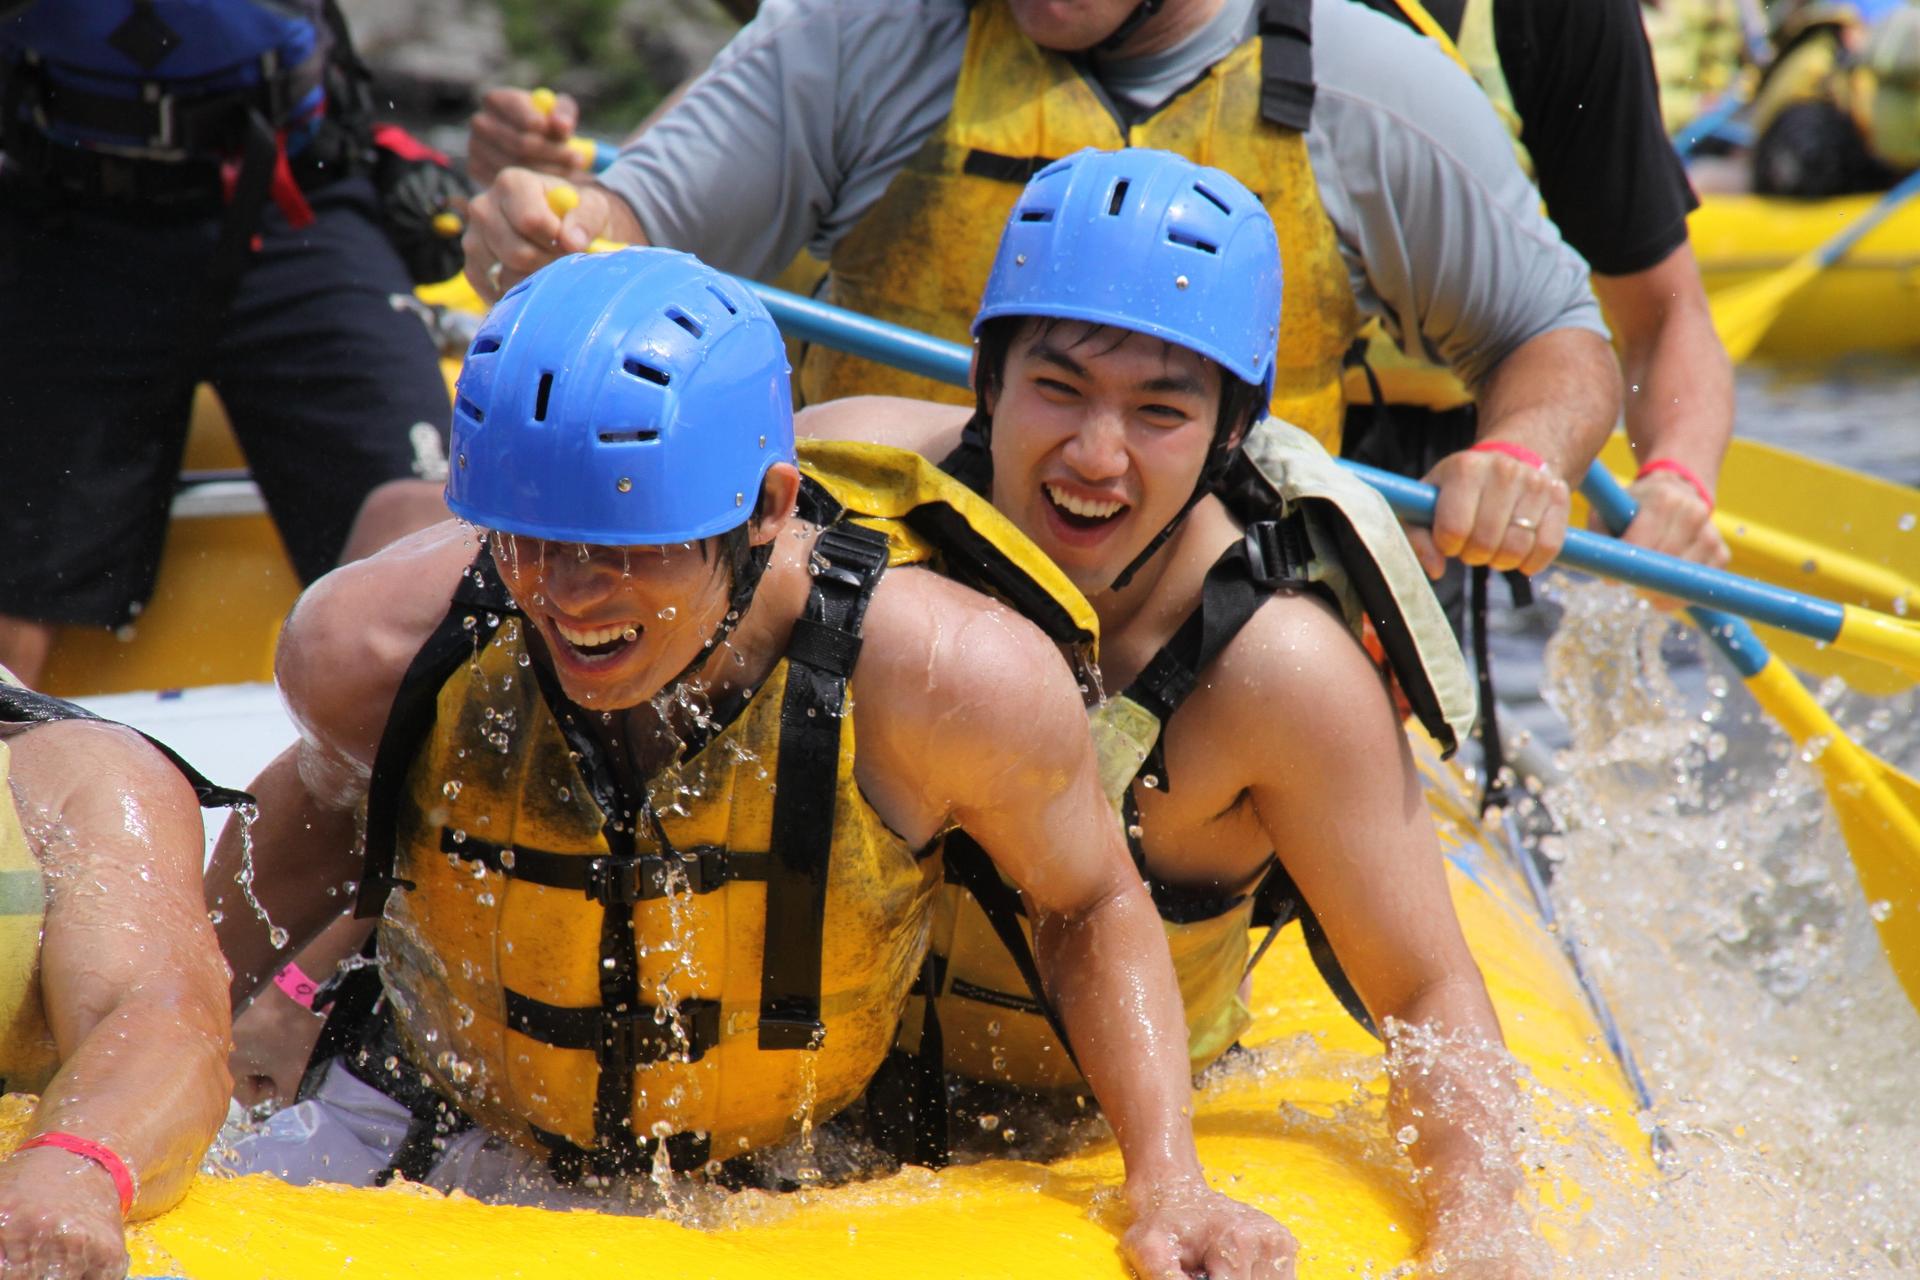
(1082, 513)
(597, 642)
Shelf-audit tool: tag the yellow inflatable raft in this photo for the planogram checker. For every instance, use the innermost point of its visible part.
(1295, 1126)
(1869, 301)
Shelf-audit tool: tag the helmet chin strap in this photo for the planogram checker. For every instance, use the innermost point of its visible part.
(746, 580)
(1141, 15)
(1215, 467)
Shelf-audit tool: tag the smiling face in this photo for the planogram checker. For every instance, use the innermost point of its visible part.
(1099, 437)
(618, 622)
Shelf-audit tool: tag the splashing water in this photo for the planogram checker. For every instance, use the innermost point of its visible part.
(1723, 918)
(246, 815)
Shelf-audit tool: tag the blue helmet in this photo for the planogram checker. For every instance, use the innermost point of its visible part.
(620, 399)
(1148, 241)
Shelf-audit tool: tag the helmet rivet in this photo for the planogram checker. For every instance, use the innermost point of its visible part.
(463, 462)
(624, 484)
(1179, 282)
(739, 499)
(763, 442)
(1019, 259)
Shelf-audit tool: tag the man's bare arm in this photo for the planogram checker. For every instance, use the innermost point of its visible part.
(134, 992)
(1679, 400)
(993, 733)
(1555, 396)
(342, 655)
(1350, 815)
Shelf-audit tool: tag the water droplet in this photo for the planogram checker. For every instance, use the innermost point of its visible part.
(451, 790)
(1150, 781)
(1906, 523)
(667, 614)
(277, 936)
(989, 1122)
(1880, 910)
(1407, 1136)
(459, 836)
(469, 622)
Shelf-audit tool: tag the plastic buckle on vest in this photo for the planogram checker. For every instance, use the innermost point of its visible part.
(792, 1025)
(618, 882)
(640, 1037)
(1275, 553)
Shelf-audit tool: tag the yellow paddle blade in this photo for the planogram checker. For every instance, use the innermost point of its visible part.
(1744, 313)
(1811, 526)
(1879, 812)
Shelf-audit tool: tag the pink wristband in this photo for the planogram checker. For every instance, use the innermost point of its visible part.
(87, 1149)
(297, 986)
(1682, 470)
(1518, 452)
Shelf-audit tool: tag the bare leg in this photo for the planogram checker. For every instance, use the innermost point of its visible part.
(391, 512)
(23, 648)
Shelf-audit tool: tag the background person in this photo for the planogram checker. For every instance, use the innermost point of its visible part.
(891, 140)
(185, 199)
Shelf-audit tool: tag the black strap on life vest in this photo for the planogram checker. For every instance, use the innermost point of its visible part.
(1274, 554)
(848, 562)
(1277, 902)
(1286, 63)
(24, 706)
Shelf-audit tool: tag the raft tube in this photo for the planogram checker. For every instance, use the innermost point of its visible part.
(1295, 1125)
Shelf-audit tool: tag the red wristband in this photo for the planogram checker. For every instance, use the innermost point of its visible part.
(87, 1149)
(1518, 452)
(1682, 470)
(296, 985)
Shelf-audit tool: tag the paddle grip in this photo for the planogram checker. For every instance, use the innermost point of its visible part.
(1735, 638)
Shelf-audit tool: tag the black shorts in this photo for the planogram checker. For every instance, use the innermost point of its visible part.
(333, 386)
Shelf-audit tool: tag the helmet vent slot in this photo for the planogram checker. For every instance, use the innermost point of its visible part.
(1036, 215)
(1118, 198)
(471, 409)
(725, 301)
(485, 346)
(541, 396)
(639, 435)
(685, 321)
(1213, 199)
(647, 373)
(1192, 242)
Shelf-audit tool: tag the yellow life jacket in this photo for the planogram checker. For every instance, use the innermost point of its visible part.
(28, 1057)
(921, 255)
(1309, 523)
(713, 964)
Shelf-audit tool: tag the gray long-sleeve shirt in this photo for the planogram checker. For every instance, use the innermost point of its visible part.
(796, 129)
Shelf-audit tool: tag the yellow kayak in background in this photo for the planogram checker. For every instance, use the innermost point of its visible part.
(1295, 1125)
(1869, 301)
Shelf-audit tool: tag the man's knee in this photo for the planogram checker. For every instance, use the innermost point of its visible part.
(391, 512)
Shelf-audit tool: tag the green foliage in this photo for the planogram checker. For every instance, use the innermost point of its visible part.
(581, 47)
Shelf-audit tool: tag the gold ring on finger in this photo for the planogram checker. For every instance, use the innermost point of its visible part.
(1526, 522)
(493, 275)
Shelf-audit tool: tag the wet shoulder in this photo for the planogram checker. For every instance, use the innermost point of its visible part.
(918, 426)
(353, 634)
(1293, 664)
(936, 649)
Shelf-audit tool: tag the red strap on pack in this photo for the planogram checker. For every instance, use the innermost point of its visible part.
(1518, 452)
(391, 137)
(1682, 470)
(87, 1149)
(285, 191)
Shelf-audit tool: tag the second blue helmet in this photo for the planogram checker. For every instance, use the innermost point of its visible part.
(620, 399)
(1147, 241)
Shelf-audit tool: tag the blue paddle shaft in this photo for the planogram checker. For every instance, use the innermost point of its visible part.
(1838, 247)
(885, 343)
(1735, 638)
